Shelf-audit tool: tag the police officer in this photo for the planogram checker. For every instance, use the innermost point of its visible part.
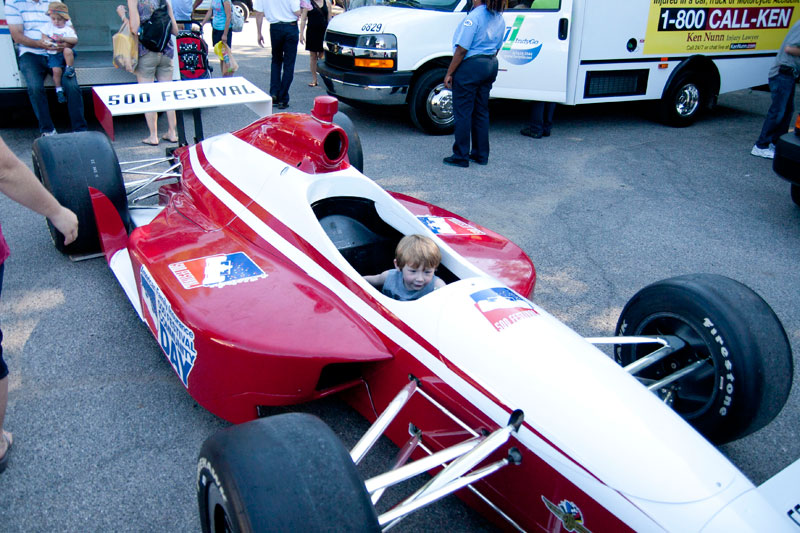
(470, 75)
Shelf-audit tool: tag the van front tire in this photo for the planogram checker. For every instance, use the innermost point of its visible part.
(683, 100)
(431, 103)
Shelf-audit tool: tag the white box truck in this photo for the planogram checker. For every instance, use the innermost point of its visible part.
(680, 53)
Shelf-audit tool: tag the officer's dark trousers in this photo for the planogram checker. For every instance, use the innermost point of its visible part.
(472, 82)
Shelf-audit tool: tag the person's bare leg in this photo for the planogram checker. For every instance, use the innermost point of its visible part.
(172, 132)
(57, 76)
(3, 403)
(150, 118)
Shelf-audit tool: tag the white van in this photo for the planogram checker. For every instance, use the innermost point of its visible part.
(682, 53)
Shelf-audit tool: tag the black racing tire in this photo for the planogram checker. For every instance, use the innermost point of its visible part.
(431, 104)
(243, 8)
(67, 165)
(683, 100)
(748, 372)
(355, 154)
(288, 472)
(796, 194)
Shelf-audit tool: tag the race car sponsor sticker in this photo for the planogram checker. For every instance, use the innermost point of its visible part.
(217, 271)
(502, 307)
(569, 514)
(175, 337)
(449, 226)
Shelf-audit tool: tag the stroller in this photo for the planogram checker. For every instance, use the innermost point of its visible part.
(192, 55)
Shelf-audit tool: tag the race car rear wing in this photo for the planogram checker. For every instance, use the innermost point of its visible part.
(117, 100)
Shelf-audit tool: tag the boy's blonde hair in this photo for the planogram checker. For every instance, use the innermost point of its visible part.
(417, 251)
(58, 8)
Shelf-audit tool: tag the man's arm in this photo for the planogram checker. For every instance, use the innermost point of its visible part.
(18, 35)
(792, 50)
(18, 183)
(259, 20)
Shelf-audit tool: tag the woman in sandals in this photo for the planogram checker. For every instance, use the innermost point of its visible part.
(152, 65)
(317, 14)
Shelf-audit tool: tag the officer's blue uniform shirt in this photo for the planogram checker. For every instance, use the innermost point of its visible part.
(481, 33)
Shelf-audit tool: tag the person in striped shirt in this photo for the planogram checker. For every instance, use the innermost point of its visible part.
(26, 18)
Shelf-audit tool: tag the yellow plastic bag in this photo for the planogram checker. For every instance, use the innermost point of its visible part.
(229, 64)
(126, 51)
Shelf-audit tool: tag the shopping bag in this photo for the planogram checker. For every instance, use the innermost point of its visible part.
(229, 64)
(126, 53)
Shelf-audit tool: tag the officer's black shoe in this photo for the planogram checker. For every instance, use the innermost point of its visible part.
(479, 160)
(455, 162)
(528, 132)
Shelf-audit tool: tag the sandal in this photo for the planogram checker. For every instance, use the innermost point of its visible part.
(4, 460)
(145, 141)
(314, 84)
(168, 139)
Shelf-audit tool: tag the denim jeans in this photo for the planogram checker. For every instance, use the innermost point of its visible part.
(34, 69)
(779, 116)
(284, 38)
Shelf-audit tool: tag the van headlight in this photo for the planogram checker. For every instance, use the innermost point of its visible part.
(378, 41)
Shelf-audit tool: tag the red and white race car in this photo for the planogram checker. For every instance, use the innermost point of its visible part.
(249, 273)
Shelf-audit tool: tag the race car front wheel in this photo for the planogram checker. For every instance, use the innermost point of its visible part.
(283, 473)
(67, 165)
(737, 357)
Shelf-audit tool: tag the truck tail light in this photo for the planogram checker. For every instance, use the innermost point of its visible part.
(373, 63)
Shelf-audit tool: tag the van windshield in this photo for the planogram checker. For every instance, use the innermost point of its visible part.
(433, 5)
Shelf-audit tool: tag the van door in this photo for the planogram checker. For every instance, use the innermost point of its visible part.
(533, 59)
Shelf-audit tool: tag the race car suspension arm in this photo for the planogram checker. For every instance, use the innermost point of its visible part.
(457, 474)
(457, 461)
(669, 345)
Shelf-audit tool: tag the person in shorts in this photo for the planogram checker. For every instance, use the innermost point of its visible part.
(61, 57)
(152, 65)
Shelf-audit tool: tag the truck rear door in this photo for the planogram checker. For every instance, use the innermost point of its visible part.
(533, 59)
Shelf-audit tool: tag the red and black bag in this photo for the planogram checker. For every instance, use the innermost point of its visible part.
(192, 55)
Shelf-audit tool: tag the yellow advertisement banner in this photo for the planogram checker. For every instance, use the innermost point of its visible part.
(718, 26)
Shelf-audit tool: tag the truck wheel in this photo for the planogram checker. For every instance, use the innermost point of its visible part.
(683, 100)
(242, 8)
(796, 194)
(67, 165)
(283, 473)
(431, 104)
(354, 152)
(747, 365)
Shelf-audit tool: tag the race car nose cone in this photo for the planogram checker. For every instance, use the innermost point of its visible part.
(325, 107)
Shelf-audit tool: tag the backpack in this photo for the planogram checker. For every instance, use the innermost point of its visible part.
(237, 22)
(154, 32)
(192, 55)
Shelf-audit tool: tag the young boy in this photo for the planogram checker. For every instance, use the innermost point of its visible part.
(60, 34)
(416, 260)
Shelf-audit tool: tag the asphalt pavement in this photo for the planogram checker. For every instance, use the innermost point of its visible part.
(106, 437)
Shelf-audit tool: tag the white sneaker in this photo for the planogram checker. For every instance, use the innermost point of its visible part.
(767, 153)
(48, 133)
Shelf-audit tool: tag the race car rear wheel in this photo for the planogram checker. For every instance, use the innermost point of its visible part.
(67, 165)
(431, 103)
(355, 154)
(743, 358)
(283, 473)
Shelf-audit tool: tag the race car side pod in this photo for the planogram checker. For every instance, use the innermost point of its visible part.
(458, 460)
